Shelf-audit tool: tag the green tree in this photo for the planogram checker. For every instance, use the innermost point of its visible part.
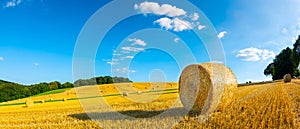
(286, 62)
(67, 85)
(269, 70)
(296, 56)
(283, 64)
(54, 85)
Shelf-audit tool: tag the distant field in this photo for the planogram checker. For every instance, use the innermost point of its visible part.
(53, 92)
(270, 105)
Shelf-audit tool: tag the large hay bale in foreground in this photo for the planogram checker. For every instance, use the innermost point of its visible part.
(202, 86)
(287, 78)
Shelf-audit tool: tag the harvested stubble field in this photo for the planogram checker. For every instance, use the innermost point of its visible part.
(273, 105)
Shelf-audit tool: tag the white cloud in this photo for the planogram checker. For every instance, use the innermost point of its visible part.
(165, 23)
(125, 70)
(12, 3)
(222, 34)
(253, 54)
(194, 17)
(181, 25)
(1, 58)
(112, 62)
(36, 64)
(131, 49)
(108, 60)
(116, 54)
(137, 42)
(175, 24)
(176, 40)
(129, 57)
(125, 52)
(155, 8)
(200, 27)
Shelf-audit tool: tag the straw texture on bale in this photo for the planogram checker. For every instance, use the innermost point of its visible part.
(287, 78)
(125, 94)
(202, 86)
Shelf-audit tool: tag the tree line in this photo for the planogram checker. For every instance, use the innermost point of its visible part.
(286, 62)
(12, 91)
(101, 80)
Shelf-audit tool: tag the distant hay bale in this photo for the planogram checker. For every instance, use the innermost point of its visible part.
(29, 103)
(51, 99)
(287, 78)
(125, 94)
(64, 99)
(202, 86)
(42, 101)
(68, 92)
(139, 92)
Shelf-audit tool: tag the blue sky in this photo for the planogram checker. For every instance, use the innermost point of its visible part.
(38, 37)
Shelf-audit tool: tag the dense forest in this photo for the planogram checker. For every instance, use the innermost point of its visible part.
(11, 91)
(101, 80)
(286, 62)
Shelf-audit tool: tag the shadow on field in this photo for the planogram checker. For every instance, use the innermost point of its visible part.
(130, 114)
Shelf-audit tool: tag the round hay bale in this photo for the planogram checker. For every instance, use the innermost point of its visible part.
(139, 92)
(29, 103)
(202, 86)
(51, 99)
(65, 99)
(287, 78)
(125, 94)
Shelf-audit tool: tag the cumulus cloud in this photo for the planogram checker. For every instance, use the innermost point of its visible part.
(175, 24)
(129, 57)
(181, 25)
(116, 54)
(132, 49)
(155, 8)
(176, 40)
(253, 54)
(12, 3)
(194, 16)
(222, 34)
(112, 62)
(200, 27)
(1, 58)
(137, 42)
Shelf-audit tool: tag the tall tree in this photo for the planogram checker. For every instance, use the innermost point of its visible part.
(283, 64)
(286, 62)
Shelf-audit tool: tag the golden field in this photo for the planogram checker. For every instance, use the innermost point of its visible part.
(273, 105)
